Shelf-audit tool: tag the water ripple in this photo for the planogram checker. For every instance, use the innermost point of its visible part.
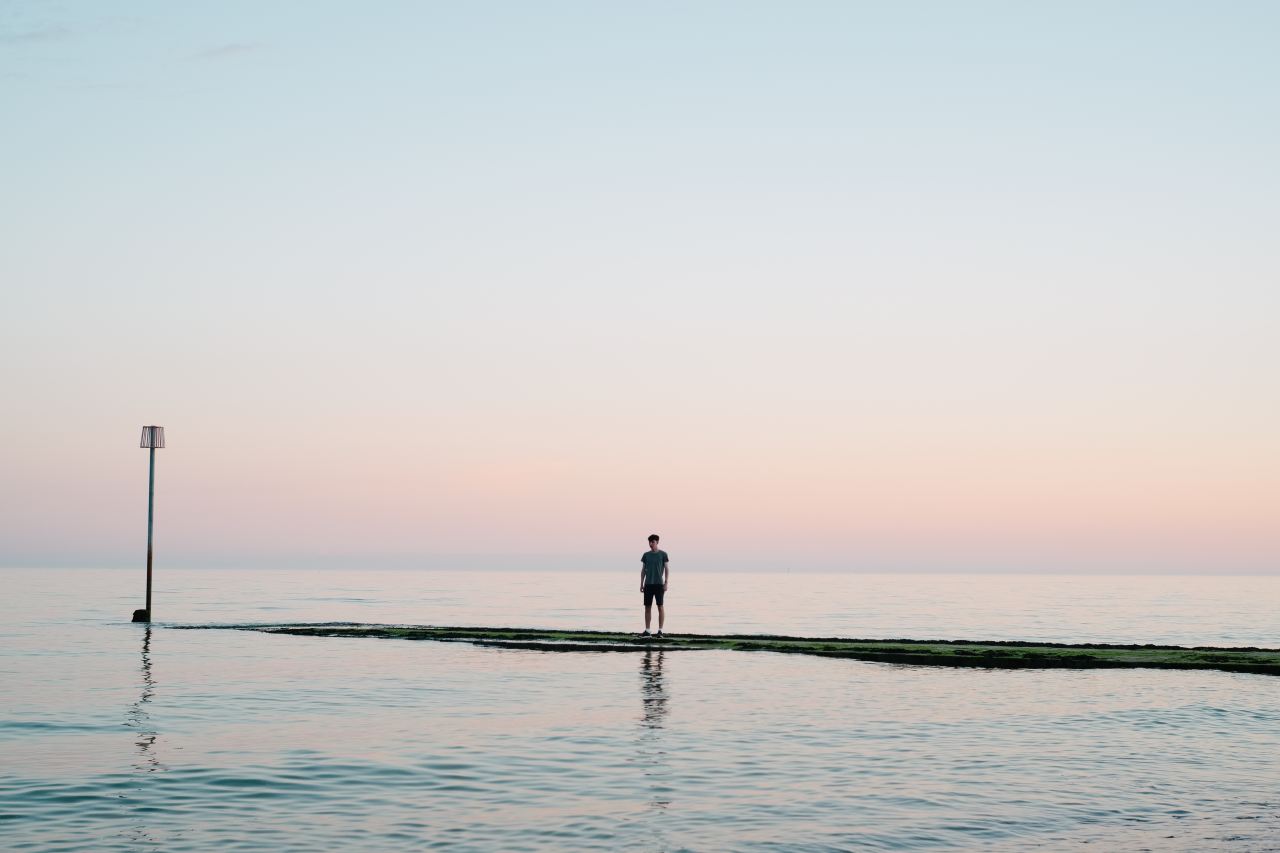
(116, 738)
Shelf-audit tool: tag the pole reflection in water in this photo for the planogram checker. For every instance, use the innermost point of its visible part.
(145, 761)
(138, 718)
(653, 698)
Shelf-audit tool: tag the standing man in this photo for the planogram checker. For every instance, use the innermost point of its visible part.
(653, 583)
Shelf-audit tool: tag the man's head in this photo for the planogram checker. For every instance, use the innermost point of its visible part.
(653, 541)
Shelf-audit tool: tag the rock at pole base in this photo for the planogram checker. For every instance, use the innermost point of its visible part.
(141, 616)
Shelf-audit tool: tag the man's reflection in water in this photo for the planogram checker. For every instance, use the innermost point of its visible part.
(652, 692)
(653, 697)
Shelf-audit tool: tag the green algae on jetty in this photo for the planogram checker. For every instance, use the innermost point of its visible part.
(996, 654)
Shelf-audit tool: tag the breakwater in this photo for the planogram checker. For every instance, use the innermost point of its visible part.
(996, 654)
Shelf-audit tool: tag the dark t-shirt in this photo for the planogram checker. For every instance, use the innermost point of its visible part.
(653, 562)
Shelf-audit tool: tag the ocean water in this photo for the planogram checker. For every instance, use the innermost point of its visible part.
(116, 736)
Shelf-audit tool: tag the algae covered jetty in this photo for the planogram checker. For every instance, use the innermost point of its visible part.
(995, 654)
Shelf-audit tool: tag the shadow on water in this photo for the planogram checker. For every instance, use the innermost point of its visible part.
(145, 759)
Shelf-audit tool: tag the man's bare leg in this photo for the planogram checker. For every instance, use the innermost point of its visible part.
(662, 618)
(648, 616)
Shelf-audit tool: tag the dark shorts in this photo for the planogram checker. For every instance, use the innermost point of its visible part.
(652, 591)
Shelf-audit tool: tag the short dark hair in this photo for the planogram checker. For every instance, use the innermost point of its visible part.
(653, 537)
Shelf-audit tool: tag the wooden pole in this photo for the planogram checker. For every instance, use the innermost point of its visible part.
(151, 503)
(144, 615)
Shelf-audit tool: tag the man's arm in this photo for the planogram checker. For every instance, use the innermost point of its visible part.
(642, 574)
(666, 574)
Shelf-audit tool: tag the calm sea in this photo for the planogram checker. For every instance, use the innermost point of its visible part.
(114, 736)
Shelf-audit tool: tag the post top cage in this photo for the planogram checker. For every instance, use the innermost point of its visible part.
(152, 436)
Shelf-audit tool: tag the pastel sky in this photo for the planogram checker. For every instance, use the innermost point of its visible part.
(843, 286)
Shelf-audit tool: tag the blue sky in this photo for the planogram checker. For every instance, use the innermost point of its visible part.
(901, 284)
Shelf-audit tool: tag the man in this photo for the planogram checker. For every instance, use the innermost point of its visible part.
(653, 583)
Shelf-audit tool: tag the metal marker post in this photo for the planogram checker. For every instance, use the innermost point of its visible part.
(152, 438)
